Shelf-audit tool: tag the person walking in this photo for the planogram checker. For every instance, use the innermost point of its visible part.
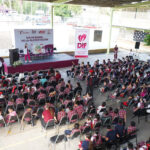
(90, 82)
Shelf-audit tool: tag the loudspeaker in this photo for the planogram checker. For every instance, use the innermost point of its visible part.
(13, 55)
(137, 45)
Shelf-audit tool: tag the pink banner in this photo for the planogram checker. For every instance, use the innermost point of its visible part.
(82, 43)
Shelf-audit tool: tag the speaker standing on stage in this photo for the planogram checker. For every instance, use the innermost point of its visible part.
(115, 52)
(26, 53)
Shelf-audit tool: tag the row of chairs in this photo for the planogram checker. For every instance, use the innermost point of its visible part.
(11, 120)
(117, 144)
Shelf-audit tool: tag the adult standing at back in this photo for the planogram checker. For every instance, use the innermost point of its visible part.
(57, 75)
(115, 52)
(90, 82)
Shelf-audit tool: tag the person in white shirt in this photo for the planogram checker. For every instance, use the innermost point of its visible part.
(131, 53)
(101, 108)
(2, 66)
(26, 53)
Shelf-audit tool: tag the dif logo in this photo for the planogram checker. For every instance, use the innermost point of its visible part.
(81, 39)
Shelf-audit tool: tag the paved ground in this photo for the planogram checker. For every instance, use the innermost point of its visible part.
(12, 138)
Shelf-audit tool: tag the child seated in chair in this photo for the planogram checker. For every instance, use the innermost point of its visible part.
(61, 113)
(2, 123)
(86, 98)
(47, 115)
(119, 128)
(115, 94)
(115, 116)
(96, 139)
(28, 116)
(101, 108)
(87, 143)
(104, 88)
(81, 76)
(71, 113)
(139, 109)
(122, 91)
(78, 107)
(96, 120)
(131, 128)
(41, 95)
(67, 90)
(10, 114)
(71, 132)
(88, 123)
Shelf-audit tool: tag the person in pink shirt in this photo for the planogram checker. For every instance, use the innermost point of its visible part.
(143, 93)
(79, 109)
(70, 114)
(10, 114)
(20, 100)
(67, 90)
(41, 95)
(61, 113)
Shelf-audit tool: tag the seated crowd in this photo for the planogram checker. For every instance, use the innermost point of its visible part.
(127, 78)
(44, 95)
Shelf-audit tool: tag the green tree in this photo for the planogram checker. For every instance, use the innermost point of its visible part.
(15, 5)
(104, 11)
(75, 10)
(147, 39)
(67, 10)
(29, 6)
(3, 2)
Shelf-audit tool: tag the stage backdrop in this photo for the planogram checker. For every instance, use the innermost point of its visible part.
(38, 40)
(81, 43)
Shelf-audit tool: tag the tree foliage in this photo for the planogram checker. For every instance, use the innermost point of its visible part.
(27, 7)
(67, 10)
(105, 11)
(147, 39)
(32, 7)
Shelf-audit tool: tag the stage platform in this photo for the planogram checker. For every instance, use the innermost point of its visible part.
(54, 61)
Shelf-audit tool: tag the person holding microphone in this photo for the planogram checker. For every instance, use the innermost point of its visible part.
(26, 53)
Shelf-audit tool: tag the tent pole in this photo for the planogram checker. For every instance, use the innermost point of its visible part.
(110, 31)
(52, 16)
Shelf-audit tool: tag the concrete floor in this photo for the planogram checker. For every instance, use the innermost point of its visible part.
(33, 138)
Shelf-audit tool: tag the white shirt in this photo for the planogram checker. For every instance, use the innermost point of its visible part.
(25, 51)
(139, 105)
(21, 75)
(0, 64)
(99, 110)
(1, 96)
(1, 117)
(144, 147)
(148, 109)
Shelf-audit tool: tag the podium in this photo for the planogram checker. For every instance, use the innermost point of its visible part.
(13, 55)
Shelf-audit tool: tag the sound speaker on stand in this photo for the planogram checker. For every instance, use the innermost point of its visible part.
(13, 55)
(137, 45)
